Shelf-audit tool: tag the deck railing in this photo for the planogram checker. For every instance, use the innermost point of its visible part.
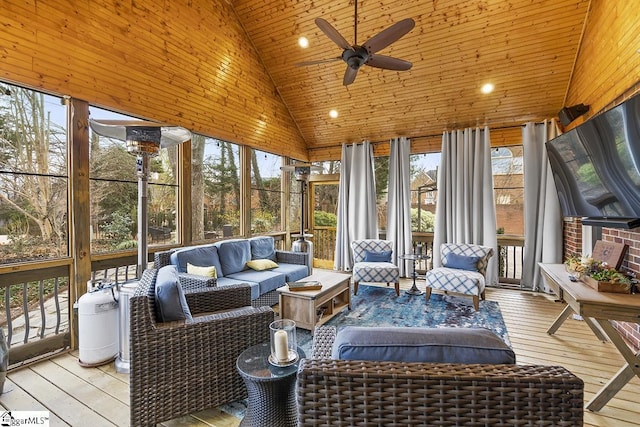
(35, 306)
(34, 309)
(510, 251)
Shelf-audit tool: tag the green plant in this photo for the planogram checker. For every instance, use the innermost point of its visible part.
(325, 219)
(126, 244)
(427, 220)
(118, 229)
(595, 269)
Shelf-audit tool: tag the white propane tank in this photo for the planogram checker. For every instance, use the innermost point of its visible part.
(97, 326)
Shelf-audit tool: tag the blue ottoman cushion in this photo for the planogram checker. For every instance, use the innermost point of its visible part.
(427, 345)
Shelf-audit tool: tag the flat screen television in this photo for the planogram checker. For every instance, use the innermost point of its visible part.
(596, 168)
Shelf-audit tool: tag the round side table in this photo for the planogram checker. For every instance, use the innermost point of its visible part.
(414, 258)
(271, 389)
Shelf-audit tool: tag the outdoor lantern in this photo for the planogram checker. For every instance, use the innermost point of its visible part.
(284, 346)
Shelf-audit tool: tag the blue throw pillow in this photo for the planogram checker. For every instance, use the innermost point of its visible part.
(462, 262)
(171, 303)
(384, 256)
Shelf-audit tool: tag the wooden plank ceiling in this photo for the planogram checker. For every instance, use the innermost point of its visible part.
(525, 48)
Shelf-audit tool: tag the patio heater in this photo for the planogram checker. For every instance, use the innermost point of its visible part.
(144, 140)
(301, 172)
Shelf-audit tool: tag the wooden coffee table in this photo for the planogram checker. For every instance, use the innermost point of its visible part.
(312, 308)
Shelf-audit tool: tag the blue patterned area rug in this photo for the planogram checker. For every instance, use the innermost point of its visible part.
(379, 306)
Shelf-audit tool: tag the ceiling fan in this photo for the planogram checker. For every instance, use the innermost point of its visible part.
(366, 54)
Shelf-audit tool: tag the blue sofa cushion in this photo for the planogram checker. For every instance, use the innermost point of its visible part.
(462, 262)
(384, 256)
(255, 287)
(202, 256)
(427, 345)
(268, 280)
(234, 255)
(171, 303)
(292, 272)
(263, 247)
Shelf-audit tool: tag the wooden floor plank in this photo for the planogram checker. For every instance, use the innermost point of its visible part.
(116, 386)
(14, 398)
(96, 397)
(87, 393)
(54, 396)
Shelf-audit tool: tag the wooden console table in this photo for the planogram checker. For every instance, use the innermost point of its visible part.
(597, 308)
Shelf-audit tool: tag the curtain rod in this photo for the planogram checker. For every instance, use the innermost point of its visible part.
(324, 147)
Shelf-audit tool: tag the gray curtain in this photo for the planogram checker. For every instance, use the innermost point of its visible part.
(357, 210)
(399, 201)
(466, 211)
(542, 214)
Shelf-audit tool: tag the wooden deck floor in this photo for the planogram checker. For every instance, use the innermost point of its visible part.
(97, 397)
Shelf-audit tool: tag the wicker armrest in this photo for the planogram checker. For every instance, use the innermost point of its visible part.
(209, 300)
(248, 312)
(323, 338)
(291, 257)
(193, 281)
(162, 258)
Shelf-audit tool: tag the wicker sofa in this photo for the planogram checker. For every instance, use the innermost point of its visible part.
(230, 259)
(181, 367)
(351, 392)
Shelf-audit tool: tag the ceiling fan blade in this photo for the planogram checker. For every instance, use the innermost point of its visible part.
(349, 76)
(332, 33)
(388, 63)
(388, 36)
(317, 62)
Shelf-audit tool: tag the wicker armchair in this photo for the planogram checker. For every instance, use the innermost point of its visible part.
(347, 392)
(178, 368)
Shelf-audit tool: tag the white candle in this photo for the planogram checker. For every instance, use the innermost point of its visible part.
(281, 346)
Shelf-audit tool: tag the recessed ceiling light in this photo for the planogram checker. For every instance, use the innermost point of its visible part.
(487, 88)
(333, 114)
(303, 42)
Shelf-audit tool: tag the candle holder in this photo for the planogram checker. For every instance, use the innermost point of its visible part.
(283, 343)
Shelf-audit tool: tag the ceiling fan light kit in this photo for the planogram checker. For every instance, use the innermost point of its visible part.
(355, 56)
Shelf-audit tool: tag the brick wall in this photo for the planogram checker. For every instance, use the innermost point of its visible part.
(631, 238)
(572, 241)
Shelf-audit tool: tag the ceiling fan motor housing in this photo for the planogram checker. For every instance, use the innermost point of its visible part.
(355, 58)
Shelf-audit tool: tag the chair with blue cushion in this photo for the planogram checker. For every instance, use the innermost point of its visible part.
(463, 271)
(184, 344)
(374, 263)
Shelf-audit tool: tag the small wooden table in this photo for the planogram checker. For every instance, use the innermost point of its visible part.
(597, 307)
(303, 307)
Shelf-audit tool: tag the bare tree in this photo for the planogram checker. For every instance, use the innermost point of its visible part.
(33, 153)
(197, 186)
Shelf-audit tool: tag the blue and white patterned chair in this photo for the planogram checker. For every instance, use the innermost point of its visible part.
(373, 263)
(463, 270)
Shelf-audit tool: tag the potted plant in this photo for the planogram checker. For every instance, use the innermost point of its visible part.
(597, 274)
